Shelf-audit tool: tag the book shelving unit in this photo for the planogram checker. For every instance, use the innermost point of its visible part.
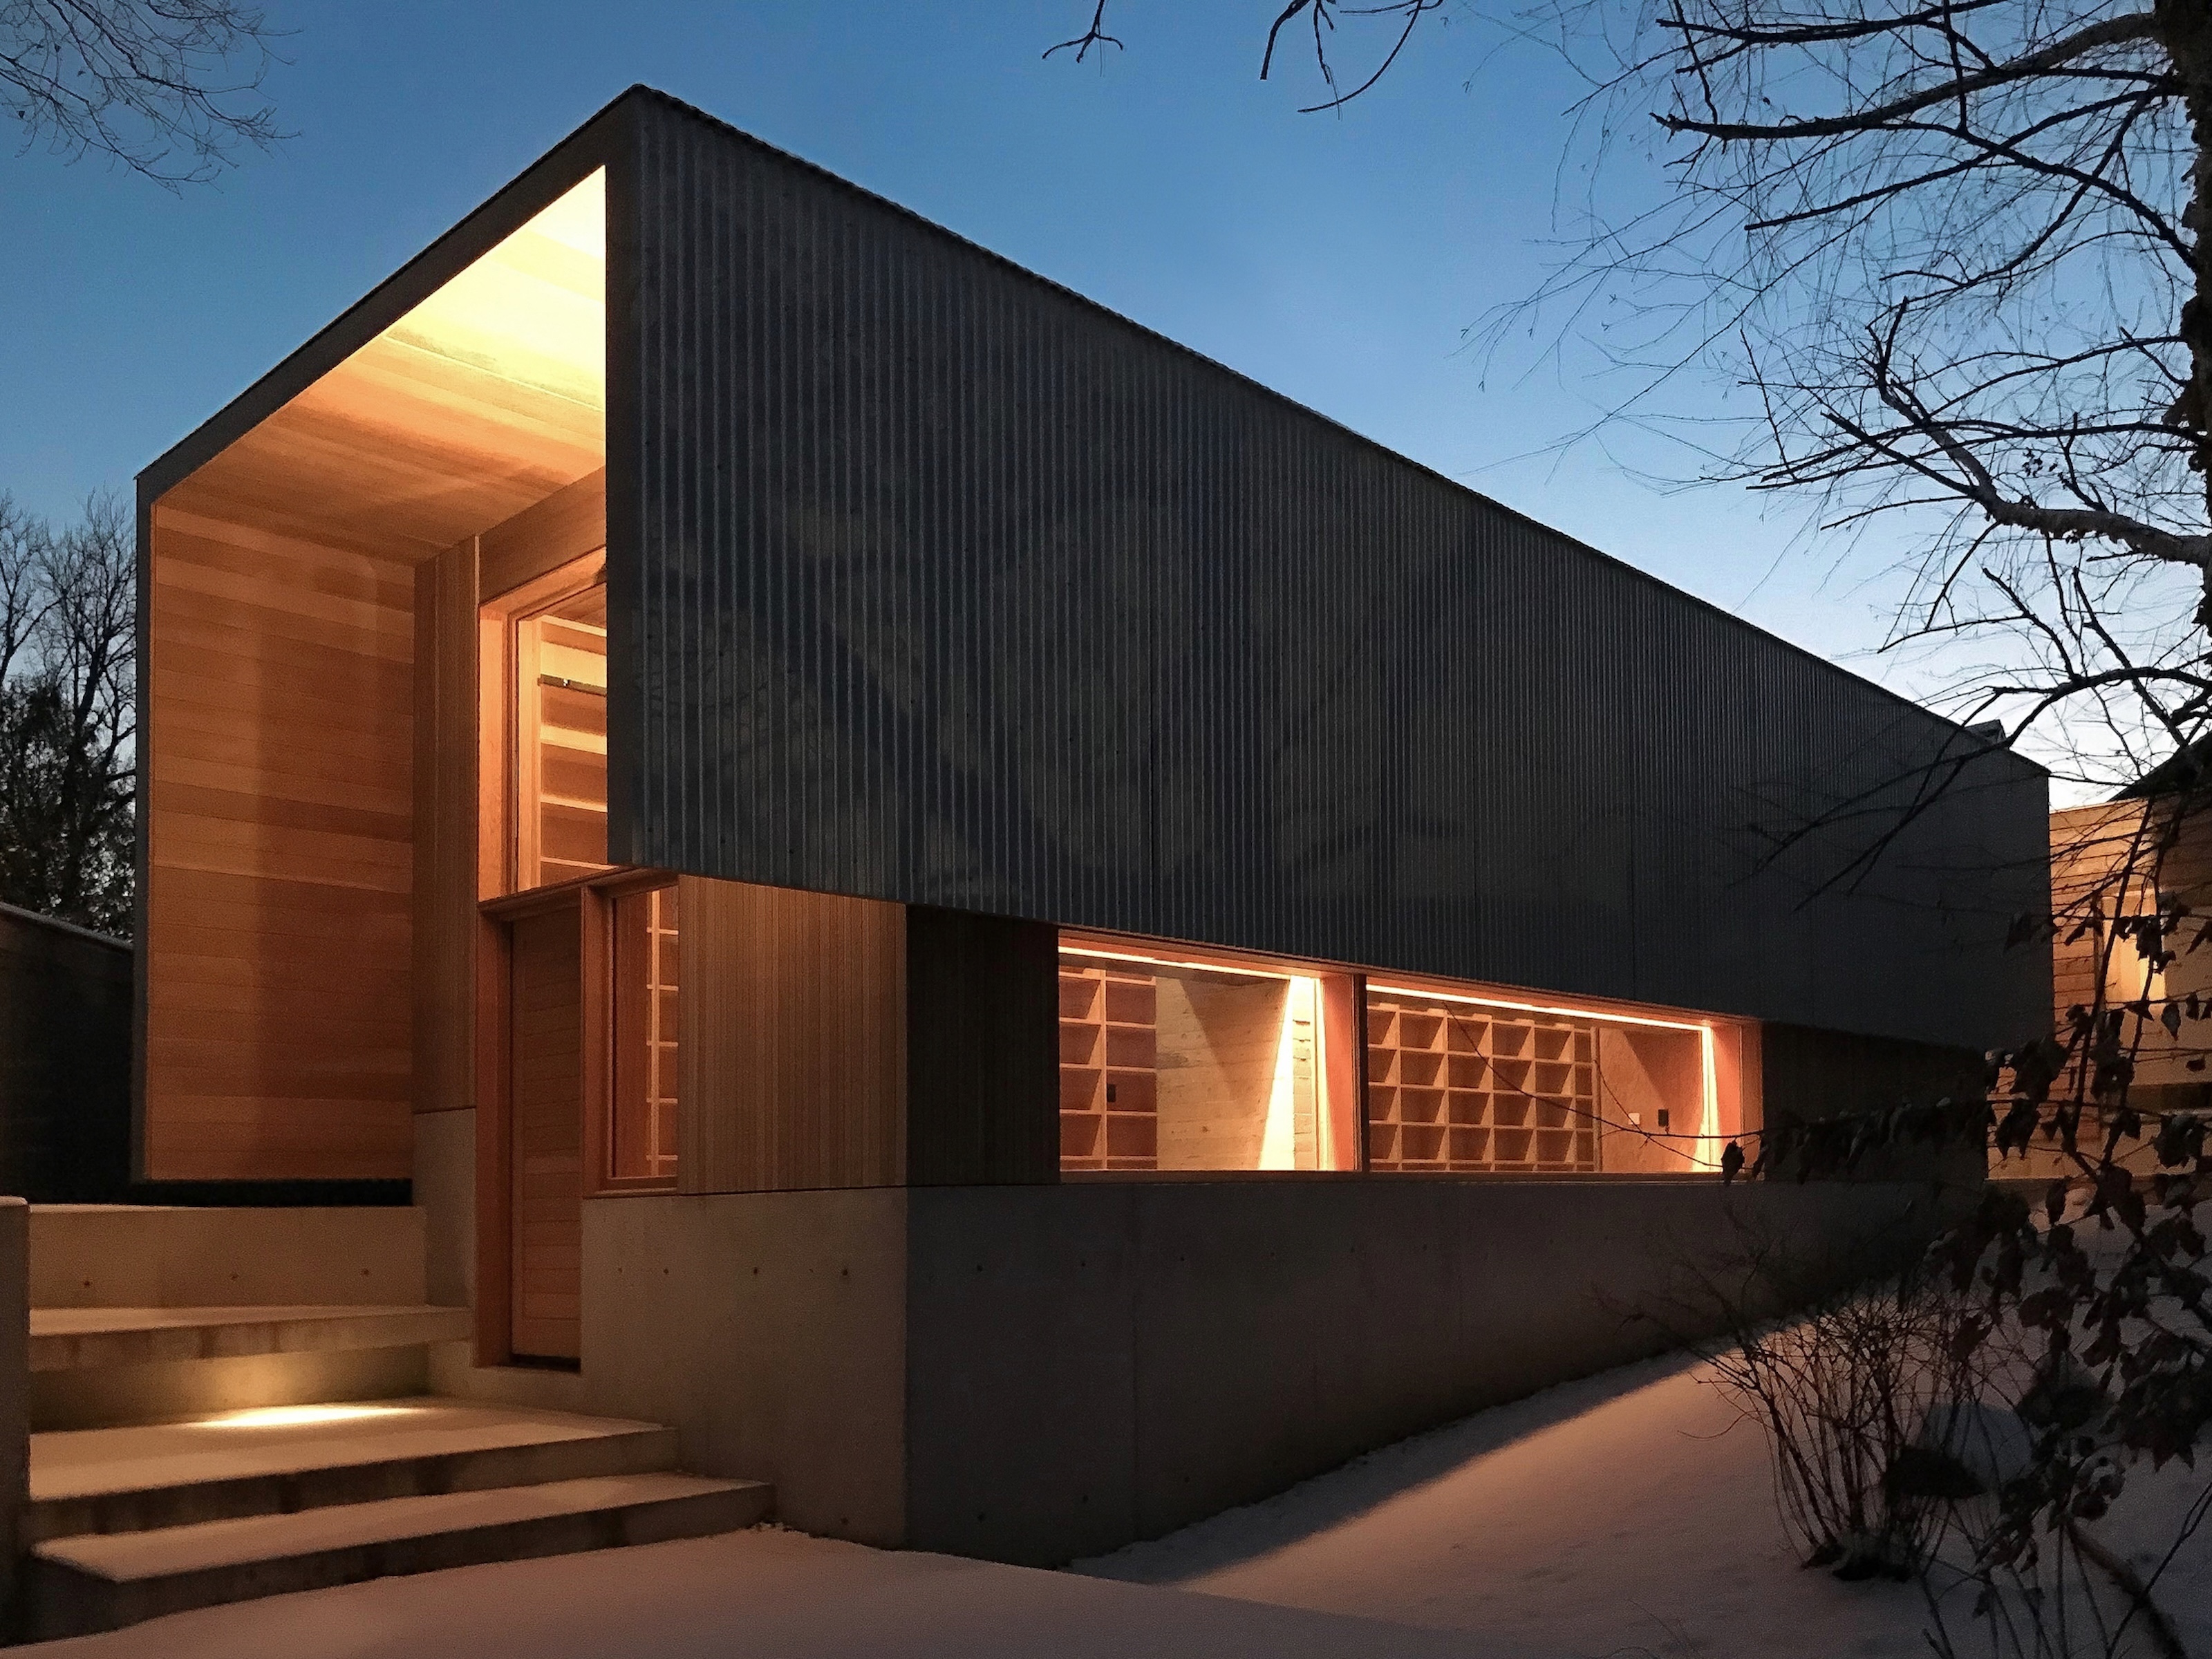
(1109, 1091)
(1465, 1088)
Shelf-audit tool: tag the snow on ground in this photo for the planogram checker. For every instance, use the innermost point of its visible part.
(1629, 1515)
(759, 1595)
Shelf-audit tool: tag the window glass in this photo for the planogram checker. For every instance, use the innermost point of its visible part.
(641, 1109)
(1457, 1086)
(1204, 1064)
(560, 739)
(1468, 1083)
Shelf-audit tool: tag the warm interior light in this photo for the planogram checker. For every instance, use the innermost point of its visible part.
(1604, 1016)
(534, 310)
(1708, 1127)
(289, 1417)
(1707, 1144)
(1094, 954)
(1278, 1140)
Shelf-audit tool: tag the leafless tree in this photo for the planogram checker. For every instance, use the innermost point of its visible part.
(1946, 258)
(171, 88)
(68, 722)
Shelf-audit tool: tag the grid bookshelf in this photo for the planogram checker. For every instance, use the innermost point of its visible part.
(1456, 1087)
(1108, 1097)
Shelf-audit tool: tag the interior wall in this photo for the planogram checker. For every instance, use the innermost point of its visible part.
(1218, 1045)
(279, 861)
(1641, 1071)
(793, 1068)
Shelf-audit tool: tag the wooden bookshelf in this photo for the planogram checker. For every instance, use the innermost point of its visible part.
(561, 665)
(1452, 1087)
(1109, 1094)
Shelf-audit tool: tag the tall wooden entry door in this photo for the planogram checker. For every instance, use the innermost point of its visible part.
(546, 1070)
(577, 969)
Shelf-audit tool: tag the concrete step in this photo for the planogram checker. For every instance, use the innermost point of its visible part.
(282, 1459)
(81, 1584)
(84, 1338)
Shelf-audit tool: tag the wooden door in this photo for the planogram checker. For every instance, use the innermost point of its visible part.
(545, 1127)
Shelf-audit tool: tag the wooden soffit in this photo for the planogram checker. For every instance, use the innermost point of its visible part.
(487, 396)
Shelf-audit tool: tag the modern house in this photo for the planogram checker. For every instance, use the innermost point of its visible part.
(997, 925)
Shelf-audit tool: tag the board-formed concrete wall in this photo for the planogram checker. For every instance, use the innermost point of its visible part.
(1035, 1374)
(769, 1330)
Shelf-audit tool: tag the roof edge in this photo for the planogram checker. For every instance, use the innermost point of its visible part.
(74, 930)
(584, 151)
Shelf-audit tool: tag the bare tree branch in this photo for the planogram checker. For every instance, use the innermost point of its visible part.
(1096, 35)
(1954, 88)
(171, 88)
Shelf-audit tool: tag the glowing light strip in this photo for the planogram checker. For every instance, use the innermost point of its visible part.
(1708, 1137)
(1606, 1015)
(1709, 1109)
(1171, 961)
(1708, 1127)
(1278, 1136)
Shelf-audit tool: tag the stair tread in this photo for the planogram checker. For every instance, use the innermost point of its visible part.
(73, 1321)
(71, 1339)
(79, 1463)
(125, 1558)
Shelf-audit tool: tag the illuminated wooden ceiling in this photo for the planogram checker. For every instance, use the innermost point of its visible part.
(485, 397)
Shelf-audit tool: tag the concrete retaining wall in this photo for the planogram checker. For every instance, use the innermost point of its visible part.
(101, 1255)
(1033, 1374)
(770, 1329)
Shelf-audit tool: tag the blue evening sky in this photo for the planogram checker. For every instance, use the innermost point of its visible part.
(1337, 258)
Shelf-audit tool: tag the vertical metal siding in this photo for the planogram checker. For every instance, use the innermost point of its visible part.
(944, 586)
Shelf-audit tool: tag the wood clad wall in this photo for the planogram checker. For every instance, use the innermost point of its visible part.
(566, 525)
(2106, 857)
(546, 1070)
(2115, 860)
(446, 854)
(280, 865)
(982, 1050)
(791, 1073)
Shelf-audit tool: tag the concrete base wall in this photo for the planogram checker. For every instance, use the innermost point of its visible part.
(1095, 1363)
(445, 1191)
(1033, 1374)
(157, 1256)
(769, 1328)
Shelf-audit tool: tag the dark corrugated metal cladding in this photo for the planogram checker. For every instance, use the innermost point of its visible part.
(952, 588)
